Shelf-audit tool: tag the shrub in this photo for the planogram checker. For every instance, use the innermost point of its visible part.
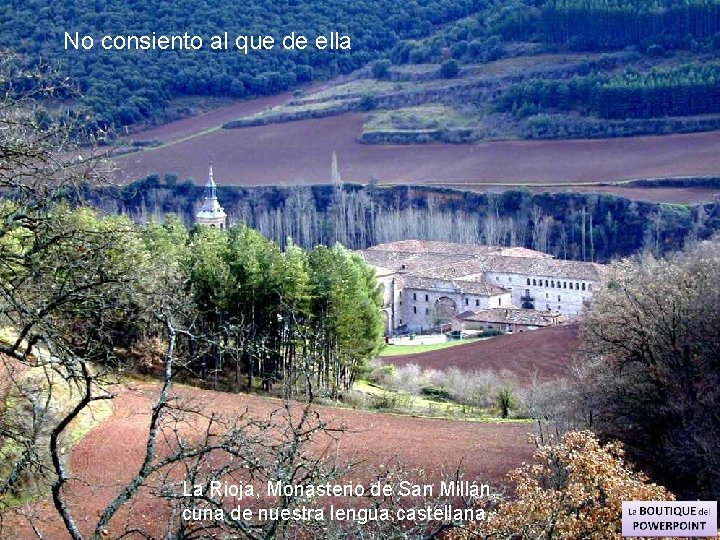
(436, 392)
(382, 374)
(449, 69)
(574, 490)
(505, 401)
(381, 69)
(368, 102)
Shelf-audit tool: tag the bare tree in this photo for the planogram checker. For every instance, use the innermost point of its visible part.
(652, 343)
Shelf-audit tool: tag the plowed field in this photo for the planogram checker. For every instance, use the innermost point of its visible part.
(111, 454)
(300, 152)
(545, 354)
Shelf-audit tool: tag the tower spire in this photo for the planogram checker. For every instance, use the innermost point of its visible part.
(211, 186)
(211, 213)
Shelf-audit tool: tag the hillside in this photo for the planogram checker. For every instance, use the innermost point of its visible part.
(430, 71)
(129, 86)
(379, 440)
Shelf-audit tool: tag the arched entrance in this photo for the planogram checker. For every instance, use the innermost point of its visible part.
(444, 311)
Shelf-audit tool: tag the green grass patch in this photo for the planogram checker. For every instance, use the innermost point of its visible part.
(425, 117)
(388, 400)
(402, 350)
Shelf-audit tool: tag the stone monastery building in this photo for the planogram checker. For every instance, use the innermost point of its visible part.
(428, 283)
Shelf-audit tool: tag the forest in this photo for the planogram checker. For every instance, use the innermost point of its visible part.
(126, 87)
(687, 90)
(573, 25)
(587, 227)
(121, 88)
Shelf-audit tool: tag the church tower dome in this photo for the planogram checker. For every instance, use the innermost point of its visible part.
(211, 213)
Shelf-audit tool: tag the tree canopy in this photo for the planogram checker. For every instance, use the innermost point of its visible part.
(124, 87)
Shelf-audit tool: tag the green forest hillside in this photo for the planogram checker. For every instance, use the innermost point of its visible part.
(131, 86)
(538, 69)
(477, 69)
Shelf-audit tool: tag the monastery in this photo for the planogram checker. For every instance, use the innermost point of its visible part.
(429, 284)
(439, 285)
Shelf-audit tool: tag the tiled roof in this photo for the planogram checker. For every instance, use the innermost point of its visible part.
(433, 246)
(406, 261)
(528, 317)
(456, 261)
(479, 288)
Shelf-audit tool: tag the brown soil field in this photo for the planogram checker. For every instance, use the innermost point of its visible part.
(300, 152)
(544, 354)
(211, 119)
(112, 452)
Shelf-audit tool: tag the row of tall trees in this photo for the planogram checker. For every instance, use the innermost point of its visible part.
(601, 24)
(308, 318)
(691, 89)
(570, 226)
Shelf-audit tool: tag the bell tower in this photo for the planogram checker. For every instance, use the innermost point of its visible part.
(211, 213)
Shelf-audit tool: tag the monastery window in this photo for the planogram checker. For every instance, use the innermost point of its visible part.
(534, 283)
(414, 309)
(552, 284)
(414, 296)
(467, 302)
(400, 322)
(497, 278)
(528, 281)
(559, 298)
(510, 280)
(426, 298)
(547, 295)
(546, 283)
(564, 284)
(499, 301)
(583, 286)
(427, 311)
(477, 303)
